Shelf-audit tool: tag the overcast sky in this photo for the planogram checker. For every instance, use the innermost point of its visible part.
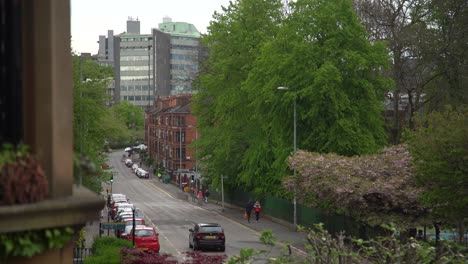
(91, 18)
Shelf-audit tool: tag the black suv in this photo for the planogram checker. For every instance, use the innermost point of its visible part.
(207, 235)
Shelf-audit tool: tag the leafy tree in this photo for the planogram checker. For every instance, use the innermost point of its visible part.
(333, 74)
(131, 115)
(90, 82)
(445, 43)
(439, 146)
(234, 40)
(322, 53)
(427, 40)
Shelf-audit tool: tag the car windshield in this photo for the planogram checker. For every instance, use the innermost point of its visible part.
(210, 229)
(144, 233)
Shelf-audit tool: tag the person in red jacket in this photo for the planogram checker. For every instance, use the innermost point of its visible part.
(257, 209)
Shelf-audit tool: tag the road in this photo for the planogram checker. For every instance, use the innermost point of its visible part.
(172, 217)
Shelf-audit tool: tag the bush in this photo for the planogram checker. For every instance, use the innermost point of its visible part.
(106, 250)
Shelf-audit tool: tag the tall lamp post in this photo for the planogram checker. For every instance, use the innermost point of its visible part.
(294, 151)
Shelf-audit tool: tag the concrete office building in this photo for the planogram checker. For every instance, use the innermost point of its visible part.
(105, 54)
(185, 54)
(161, 63)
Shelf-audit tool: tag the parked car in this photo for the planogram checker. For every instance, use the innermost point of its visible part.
(146, 238)
(127, 149)
(134, 167)
(204, 235)
(118, 195)
(118, 206)
(124, 210)
(128, 229)
(142, 173)
(128, 162)
(129, 222)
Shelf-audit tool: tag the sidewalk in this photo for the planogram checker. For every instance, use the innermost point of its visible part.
(281, 231)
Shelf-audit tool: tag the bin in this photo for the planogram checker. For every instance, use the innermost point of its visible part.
(167, 179)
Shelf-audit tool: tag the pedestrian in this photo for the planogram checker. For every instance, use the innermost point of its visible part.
(248, 209)
(207, 193)
(257, 208)
(200, 197)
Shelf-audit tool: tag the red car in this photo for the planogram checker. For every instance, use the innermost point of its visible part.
(146, 238)
(129, 222)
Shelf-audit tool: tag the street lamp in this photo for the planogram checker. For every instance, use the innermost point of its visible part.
(294, 151)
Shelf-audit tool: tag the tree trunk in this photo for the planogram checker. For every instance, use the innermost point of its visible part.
(437, 242)
(461, 231)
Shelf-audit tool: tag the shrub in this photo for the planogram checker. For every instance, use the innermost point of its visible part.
(106, 250)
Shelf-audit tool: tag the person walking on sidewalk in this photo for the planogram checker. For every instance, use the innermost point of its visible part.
(248, 209)
(257, 208)
(200, 197)
(207, 193)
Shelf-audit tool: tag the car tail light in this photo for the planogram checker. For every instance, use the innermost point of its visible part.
(199, 235)
(221, 235)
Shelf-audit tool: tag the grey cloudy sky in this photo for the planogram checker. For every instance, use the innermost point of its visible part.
(91, 18)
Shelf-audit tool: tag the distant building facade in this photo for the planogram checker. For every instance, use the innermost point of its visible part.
(170, 130)
(161, 63)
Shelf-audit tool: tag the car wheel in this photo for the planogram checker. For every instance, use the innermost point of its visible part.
(190, 244)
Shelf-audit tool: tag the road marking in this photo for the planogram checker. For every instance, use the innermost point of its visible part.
(167, 239)
(161, 190)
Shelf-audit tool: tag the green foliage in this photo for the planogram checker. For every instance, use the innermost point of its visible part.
(106, 250)
(129, 114)
(9, 153)
(439, 146)
(322, 53)
(80, 242)
(30, 243)
(267, 237)
(443, 48)
(244, 256)
(234, 39)
(90, 116)
(322, 247)
(131, 124)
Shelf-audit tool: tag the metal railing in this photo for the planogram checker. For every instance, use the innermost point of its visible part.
(79, 254)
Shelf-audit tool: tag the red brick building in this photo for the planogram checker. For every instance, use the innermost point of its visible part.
(169, 131)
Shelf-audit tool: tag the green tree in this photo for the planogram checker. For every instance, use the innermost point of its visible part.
(132, 118)
(90, 82)
(445, 43)
(131, 115)
(322, 53)
(439, 147)
(234, 41)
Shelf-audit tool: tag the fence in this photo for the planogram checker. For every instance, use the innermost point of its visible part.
(306, 216)
(79, 254)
